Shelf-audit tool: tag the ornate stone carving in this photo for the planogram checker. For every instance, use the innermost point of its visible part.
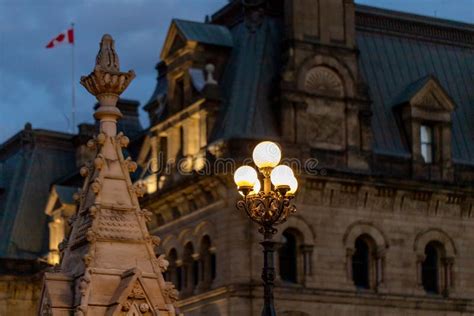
(139, 188)
(84, 171)
(123, 140)
(171, 292)
(107, 59)
(106, 77)
(325, 124)
(163, 263)
(323, 81)
(110, 231)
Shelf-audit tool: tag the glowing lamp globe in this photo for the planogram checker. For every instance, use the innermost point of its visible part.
(266, 155)
(293, 186)
(282, 176)
(245, 176)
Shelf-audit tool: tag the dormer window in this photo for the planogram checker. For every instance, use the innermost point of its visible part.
(425, 110)
(426, 143)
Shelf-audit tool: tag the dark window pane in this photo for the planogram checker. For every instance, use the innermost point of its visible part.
(287, 258)
(360, 264)
(179, 93)
(430, 269)
(195, 272)
(213, 266)
(179, 278)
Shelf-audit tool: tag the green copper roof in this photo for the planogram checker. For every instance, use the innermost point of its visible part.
(211, 34)
(393, 65)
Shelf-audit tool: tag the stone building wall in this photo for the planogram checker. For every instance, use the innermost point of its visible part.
(331, 213)
(19, 295)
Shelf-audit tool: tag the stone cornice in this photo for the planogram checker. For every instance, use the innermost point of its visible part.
(410, 25)
(373, 196)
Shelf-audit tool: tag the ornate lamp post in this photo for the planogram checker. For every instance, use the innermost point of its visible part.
(267, 208)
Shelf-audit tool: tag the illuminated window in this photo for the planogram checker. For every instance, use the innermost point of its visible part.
(426, 142)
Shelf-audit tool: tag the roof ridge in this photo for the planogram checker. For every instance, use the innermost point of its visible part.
(198, 22)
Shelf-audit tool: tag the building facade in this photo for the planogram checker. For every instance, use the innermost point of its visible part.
(372, 109)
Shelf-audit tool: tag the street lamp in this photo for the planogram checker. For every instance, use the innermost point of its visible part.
(267, 208)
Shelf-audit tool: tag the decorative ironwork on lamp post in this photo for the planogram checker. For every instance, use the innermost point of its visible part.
(268, 207)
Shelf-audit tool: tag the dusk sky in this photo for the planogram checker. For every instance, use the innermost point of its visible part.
(35, 82)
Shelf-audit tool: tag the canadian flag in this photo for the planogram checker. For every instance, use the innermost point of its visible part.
(66, 37)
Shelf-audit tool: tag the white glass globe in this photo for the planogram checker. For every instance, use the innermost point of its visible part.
(281, 176)
(293, 186)
(245, 176)
(266, 155)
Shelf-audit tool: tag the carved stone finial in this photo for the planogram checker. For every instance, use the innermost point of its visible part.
(210, 68)
(106, 79)
(107, 59)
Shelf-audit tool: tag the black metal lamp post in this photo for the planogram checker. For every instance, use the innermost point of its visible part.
(268, 207)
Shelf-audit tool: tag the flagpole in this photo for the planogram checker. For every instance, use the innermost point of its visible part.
(73, 76)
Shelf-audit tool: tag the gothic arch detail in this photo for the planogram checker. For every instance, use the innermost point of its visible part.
(323, 80)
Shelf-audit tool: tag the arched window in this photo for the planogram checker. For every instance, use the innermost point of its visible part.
(361, 263)
(160, 220)
(430, 268)
(173, 274)
(175, 213)
(288, 257)
(207, 262)
(190, 269)
(436, 254)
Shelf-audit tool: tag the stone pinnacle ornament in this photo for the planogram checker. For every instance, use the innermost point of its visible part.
(108, 263)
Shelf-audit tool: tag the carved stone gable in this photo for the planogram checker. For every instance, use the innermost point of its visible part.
(427, 94)
(433, 97)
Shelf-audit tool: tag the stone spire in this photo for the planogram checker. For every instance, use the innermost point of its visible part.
(108, 264)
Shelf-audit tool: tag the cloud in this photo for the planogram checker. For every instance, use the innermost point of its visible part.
(35, 83)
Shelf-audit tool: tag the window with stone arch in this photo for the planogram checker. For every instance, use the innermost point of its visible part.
(190, 269)
(207, 259)
(365, 255)
(363, 263)
(288, 256)
(430, 267)
(435, 262)
(173, 273)
(294, 249)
